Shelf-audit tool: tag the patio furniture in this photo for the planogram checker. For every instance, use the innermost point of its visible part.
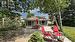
(57, 34)
(46, 34)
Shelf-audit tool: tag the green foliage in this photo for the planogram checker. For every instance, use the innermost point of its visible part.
(8, 13)
(11, 20)
(36, 37)
(52, 5)
(11, 24)
(69, 32)
(69, 22)
(4, 13)
(23, 1)
(29, 14)
(69, 17)
(23, 24)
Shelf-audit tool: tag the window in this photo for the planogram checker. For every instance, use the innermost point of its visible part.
(29, 23)
(43, 22)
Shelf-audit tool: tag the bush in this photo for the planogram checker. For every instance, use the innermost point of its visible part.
(23, 24)
(10, 24)
(69, 22)
(36, 37)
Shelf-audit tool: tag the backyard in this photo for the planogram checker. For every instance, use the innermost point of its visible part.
(33, 20)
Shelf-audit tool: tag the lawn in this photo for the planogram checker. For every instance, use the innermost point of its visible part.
(69, 32)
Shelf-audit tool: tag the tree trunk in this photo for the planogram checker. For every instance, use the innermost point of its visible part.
(2, 22)
(7, 4)
(60, 20)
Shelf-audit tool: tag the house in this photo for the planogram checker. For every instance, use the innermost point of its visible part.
(30, 22)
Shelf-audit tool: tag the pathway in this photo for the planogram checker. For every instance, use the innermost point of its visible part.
(67, 40)
(26, 37)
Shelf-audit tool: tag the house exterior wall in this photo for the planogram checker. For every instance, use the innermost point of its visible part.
(33, 23)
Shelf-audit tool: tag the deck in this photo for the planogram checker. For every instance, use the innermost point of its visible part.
(26, 36)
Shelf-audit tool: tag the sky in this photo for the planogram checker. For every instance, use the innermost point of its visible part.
(36, 13)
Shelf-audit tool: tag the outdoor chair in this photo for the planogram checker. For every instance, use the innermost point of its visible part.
(46, 35)
(57, 34)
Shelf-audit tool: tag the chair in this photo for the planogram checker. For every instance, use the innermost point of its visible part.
(57, 33)
(46, 35)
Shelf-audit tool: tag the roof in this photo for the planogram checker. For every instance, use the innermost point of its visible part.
(35, 17)
(31, 18)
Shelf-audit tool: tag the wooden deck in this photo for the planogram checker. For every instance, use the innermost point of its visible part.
(26, 36)
(23, 36)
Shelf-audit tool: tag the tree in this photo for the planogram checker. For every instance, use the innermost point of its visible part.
(8, 13)
(68, 18)
(68, 15)
(52, 6)
(8, 16)
(26, 5)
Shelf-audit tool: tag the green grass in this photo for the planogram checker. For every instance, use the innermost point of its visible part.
(69, 32)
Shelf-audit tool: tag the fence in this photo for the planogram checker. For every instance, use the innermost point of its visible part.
(6, 23)
(10, 29)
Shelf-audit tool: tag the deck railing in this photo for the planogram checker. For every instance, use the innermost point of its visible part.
(9, 23)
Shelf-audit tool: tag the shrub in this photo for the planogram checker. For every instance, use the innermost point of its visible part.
(36, 37)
